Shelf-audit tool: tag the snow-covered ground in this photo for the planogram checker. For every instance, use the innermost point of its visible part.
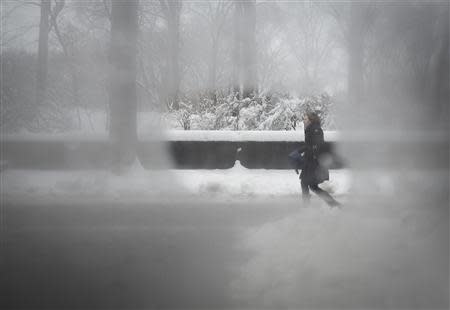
(237, 183)
(386, 248)
(177, 135)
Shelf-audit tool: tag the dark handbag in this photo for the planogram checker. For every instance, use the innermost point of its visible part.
(296, 159)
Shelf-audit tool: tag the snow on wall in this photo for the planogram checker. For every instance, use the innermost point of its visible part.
(229, 135)
(179, 135)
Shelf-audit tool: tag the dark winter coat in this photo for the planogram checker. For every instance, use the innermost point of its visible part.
(313, 172)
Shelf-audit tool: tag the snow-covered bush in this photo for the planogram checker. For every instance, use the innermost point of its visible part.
(274, 112)
(250, 116)
(282, 116)
(205, 121)
(285, 112)
(183, 115)
(227, 113)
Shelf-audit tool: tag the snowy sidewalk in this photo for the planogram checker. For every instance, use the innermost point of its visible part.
(237, 183)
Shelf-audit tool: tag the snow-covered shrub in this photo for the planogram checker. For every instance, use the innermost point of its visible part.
(200, 111)
(249, 117)
(227, 113)
(183, 115)
(285, 112)
(274, 112)
(205, 121)
(283, 116)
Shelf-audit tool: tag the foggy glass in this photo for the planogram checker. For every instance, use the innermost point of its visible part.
(101, 119)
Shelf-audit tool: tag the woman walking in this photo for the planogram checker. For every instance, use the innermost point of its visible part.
(313, 173)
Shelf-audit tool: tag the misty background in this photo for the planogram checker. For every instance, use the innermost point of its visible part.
(388, 60)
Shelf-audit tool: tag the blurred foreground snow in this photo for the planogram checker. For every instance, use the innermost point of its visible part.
(372, 256)
(388, 247)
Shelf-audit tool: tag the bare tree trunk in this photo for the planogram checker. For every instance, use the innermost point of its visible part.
(213, 71)
(70, 58)
(42, 62)
(172, 10)
(356, 57)
(122, 92)
(236, 76)
(249, 49)
(174, 39)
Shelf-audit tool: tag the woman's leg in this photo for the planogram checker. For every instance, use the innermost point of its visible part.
(305, 191)
(324, 195)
